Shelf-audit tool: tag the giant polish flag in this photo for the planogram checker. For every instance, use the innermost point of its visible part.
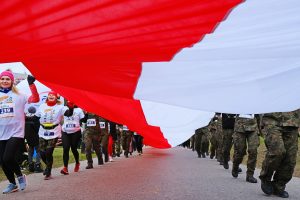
(160, 67)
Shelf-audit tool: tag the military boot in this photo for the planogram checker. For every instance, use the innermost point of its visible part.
(251, 179)
(235, 171)
(106, 158)
(226, 165)
(89, 166)
(100, 160)
(282, 194)
(266, 187)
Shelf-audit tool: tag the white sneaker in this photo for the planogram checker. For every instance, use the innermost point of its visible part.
(110, 159)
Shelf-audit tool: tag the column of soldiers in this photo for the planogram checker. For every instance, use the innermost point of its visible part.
(280, 133)
(96, 137)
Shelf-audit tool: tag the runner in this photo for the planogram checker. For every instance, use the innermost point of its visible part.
(51, 114)
(12, 125)
(71, 136)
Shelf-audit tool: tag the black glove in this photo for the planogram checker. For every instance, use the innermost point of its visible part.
(30, 79)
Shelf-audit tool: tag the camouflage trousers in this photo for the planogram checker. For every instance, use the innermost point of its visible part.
(201, 143)
(205, 143)
(282, 147)
(117, 146)
(227, 144)
(213, 143)
(192, 144)
(93, 141)
(126, 140)
(241, 141)
(104, 145)
(47, 144)
(219, 138)
(46, 151)
(198, 138)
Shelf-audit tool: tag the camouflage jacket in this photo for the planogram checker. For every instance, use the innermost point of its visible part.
(203, 130)
(284, 119)
(216, 123)
(95, 124)
(245, 124)
(213, 125)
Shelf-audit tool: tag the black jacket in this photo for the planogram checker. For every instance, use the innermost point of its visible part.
(228, 121)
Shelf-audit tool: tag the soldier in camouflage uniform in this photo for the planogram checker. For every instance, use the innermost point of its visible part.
(117, 144)
(213, 138)
(219, 138)
(228, 121)
(281, 139)
(205, 142)
(104, 137)
(198, 137)
(201, 141)
(192, 144)
(245, 135)
(126, 140)
(92, 138)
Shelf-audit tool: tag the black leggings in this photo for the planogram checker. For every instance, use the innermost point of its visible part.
(70, 140)
(8, 151)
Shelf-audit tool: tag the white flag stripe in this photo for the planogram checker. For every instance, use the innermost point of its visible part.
(177, 124)
(250, 64)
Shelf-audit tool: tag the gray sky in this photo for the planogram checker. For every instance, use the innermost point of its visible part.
(16, 67)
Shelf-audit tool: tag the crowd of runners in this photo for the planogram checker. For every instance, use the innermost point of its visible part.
(27, 125)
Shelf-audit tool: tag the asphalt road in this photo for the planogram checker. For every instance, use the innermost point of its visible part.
(158, 174)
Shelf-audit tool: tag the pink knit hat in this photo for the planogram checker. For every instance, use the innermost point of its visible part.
(9, 74)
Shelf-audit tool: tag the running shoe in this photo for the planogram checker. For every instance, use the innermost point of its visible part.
(22, 182)
(64, 171)
(10, 188)
(77, 165)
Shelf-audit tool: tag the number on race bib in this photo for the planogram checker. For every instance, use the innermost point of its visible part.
(48, 133)
(91, 122)
(7, 110)
(70, 125)
(102, 125)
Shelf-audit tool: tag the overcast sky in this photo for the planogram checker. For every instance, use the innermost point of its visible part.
(16, 67)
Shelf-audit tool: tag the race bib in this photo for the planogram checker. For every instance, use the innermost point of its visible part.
(48, 133)
(7, 110)
(91, 122)
(70, 125)
(102, 125)
(125, 128)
